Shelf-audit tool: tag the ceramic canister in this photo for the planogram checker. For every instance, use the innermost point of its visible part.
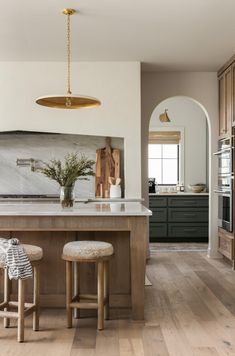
(115, 191)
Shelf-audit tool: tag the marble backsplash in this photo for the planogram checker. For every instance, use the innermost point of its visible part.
(45, 146)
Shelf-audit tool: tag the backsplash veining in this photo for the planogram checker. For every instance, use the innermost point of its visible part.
(43, 146)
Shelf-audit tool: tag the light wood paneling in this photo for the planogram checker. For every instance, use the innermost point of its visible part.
(128, 234)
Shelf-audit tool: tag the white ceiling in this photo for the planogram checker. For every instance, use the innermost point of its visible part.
(196, 35)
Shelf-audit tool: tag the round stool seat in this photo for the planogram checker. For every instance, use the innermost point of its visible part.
(33, 252)
(87, 250)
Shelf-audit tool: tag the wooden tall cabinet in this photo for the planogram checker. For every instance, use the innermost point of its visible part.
(226, 82)
(233, 94)
(226, 77)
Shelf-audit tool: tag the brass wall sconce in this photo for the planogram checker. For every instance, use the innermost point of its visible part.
(164, 117)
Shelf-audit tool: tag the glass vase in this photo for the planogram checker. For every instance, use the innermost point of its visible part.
(67, 197)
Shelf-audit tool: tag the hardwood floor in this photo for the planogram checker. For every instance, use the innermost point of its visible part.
(190, 311)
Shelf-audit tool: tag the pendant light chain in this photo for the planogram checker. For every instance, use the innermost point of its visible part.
(68, 100)
(68, 55)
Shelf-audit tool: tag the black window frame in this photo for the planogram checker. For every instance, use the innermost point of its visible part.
(162, 159)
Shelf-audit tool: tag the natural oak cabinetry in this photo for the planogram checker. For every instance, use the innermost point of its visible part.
(233, 94)
(225, 103)
(226, 244)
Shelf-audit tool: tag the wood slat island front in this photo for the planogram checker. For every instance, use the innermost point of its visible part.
(50, 227)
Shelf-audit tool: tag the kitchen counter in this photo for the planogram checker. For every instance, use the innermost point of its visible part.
(79, 209)
(124, 224)
(57, 199)
(180, 193)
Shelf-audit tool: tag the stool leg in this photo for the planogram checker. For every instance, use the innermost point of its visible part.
(36, 297)
(106, 289)
(76, 281)
(69, 292)
(21, 310)
(7, 284)
(100, 295)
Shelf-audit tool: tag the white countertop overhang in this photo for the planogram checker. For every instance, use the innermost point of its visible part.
(79, 209)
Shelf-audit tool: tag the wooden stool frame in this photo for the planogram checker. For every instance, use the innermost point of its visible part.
(23, 309)
(99, 301)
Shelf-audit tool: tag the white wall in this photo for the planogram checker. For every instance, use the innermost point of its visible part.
(202, 87)
(116, 84)
(187, 115)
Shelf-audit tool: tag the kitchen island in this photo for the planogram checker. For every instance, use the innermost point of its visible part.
(47, 225)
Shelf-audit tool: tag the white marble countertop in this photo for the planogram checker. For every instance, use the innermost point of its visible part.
(79, 200)
(79, 209)
(178, 193)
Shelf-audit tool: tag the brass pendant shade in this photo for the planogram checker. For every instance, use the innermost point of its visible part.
(69, 100)
(164, 117)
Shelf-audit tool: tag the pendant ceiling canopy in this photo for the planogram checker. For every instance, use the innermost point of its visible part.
(68, 100)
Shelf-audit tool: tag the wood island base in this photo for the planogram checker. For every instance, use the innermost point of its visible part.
(127, 268)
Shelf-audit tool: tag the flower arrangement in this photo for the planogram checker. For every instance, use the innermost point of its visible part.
(75, 168)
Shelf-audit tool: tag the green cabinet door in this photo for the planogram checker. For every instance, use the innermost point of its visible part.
(187, 215)
(159, 215)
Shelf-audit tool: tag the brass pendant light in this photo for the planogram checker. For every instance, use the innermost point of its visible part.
(69, 100)
(164, 117)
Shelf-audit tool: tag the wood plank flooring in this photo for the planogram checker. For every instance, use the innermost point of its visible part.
(190, 311)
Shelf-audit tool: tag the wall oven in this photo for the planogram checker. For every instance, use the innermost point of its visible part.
(224, 155)
(225, 184)
(225, 216)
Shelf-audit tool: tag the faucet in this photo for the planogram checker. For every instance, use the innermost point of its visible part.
(34, 164)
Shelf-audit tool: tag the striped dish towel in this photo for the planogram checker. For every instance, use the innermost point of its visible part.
(15, 259)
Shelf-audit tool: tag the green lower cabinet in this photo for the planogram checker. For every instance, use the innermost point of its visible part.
(188, 230)
(157, 202)
(187, 215)
(188, 201)
(157, 231)
(179, 219)
(159, 215)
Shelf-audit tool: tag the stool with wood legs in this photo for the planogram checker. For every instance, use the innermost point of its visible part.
(23, 309)
(97, 252)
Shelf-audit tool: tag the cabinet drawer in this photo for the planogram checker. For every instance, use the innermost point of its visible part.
(187, 230)
(226, 246)
(158, 230)
(159, 215)
(191, 201)
(188, 215)
(157, 201)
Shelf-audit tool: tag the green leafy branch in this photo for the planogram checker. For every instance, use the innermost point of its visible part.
(74, 168)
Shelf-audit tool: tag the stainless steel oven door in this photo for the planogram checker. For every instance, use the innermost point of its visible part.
(225, 211)
(225, 162)
(225, 183)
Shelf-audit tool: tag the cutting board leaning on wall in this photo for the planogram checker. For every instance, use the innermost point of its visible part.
(107, 165)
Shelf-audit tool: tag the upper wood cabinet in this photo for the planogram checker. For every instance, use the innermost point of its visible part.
(233, 95)
(226, 76)
(226, 114)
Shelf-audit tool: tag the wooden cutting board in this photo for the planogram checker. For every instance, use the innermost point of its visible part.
(107, 165)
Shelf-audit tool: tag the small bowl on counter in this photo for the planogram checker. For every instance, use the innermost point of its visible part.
(197, 188)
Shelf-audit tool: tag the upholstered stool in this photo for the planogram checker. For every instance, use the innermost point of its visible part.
(88, 252)
(35, 255)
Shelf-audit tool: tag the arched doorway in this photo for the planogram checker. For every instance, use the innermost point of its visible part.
(178, 102)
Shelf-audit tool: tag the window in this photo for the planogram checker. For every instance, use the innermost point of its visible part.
(164, 163)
